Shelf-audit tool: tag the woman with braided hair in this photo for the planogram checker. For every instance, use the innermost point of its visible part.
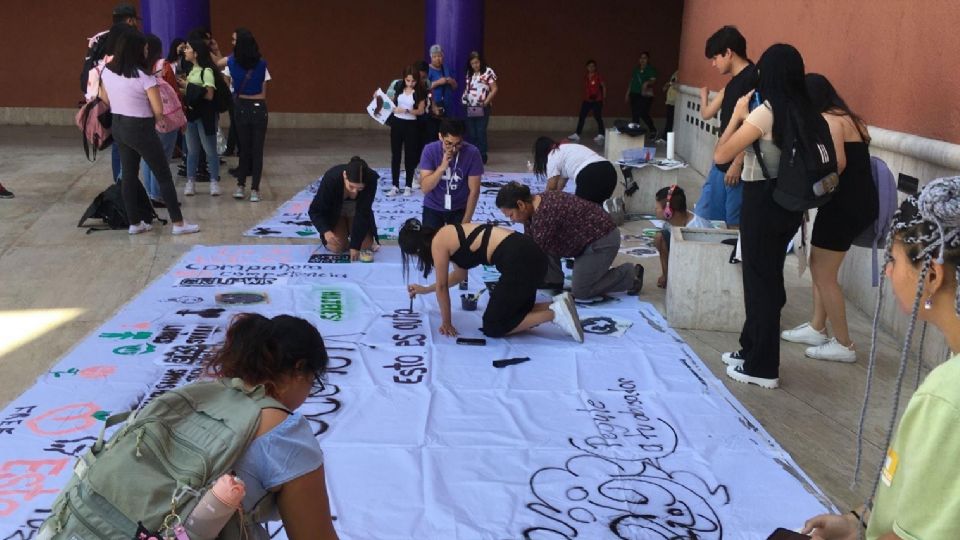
(916, 493)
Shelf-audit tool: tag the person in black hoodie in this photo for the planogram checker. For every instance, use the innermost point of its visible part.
(342, 209)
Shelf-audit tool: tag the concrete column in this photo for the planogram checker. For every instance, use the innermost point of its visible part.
(170, 19)
(457, 25)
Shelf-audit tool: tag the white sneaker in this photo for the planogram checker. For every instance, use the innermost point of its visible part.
(238, 193)
(573, 137)
(598, 139)
(190, 188)
(804, 334)
(142, 227)
(566, 317)
(393, 192)
(732, 358)
(186, 228)
(407, 192)
(833, 351)
(736, 373)
(214, 188)
(254, 195)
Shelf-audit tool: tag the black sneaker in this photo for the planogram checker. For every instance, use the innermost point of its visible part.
(734, 359)
(182, 170)
(233, 171)
(157, 203)
(5, 193)
(738, 374)
(637, 280)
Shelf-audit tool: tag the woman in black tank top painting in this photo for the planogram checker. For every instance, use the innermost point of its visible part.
(512, 306)
(853, 208)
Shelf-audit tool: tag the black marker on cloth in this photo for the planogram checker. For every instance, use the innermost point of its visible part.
(510, 361)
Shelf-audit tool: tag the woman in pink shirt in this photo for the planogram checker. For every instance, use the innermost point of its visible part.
(136, 106)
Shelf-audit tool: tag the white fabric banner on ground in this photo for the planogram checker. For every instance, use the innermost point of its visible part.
(628, 435)
(292, 219)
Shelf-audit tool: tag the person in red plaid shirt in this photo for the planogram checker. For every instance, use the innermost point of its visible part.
(567, 226)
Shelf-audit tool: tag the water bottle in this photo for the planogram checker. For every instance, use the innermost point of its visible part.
(215, 508)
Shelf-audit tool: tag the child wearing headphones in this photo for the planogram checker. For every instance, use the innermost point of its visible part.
(672, 208)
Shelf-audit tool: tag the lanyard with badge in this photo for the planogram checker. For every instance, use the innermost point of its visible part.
(447, 198)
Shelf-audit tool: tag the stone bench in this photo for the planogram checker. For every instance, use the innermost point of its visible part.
(649, 181)
(704, 291)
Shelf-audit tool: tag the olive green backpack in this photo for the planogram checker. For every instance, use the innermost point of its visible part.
(157, 466)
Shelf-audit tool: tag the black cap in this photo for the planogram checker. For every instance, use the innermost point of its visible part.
(125, 10)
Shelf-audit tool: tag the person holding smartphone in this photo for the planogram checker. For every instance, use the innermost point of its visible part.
(512, 307)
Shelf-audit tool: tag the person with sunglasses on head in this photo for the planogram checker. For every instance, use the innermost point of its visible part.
(450, 171)
(342, 209)
(512, 307)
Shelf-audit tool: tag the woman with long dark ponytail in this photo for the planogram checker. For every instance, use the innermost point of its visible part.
(248, 73)
(852, 208)
(766, 228)
(512, 307)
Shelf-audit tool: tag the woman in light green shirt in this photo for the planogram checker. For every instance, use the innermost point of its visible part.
(917, 490)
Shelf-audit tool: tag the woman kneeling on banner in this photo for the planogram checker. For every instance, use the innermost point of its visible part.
(286, 355)
(512, 307)
(918, 496)
(342, 209)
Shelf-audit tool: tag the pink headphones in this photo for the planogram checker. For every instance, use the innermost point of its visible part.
(667, 209)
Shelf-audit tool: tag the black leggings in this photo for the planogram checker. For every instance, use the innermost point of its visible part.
(137, 138)
(251, 120)
(403, 137)
(596, 181)
(585, 108)
(521, 264)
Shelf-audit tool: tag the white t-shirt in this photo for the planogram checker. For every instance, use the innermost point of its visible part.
(568, 160)
(405, 101)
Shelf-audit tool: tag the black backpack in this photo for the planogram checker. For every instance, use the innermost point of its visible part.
(94, 54)
(222, 95)
(807, 176)
(109, 207)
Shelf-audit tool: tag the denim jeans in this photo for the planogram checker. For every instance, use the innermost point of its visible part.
(196, 137)
(477, 132)
(168, 140)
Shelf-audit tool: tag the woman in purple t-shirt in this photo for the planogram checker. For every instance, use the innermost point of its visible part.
(137, 110)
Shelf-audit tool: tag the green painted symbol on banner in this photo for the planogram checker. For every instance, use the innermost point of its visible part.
(307, 232)
(101, 415)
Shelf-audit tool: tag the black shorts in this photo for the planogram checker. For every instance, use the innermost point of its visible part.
(850, 211)
(596, 181)
(521, 264)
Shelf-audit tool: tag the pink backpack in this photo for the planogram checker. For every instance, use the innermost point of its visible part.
(93, 120)
(173, 117)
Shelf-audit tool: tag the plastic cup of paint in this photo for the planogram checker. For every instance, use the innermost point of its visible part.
(366, 256)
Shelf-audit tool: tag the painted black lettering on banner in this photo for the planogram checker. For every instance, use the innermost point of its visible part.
(14, 419)
(409, 368)
(29, 529)
(620, 481)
